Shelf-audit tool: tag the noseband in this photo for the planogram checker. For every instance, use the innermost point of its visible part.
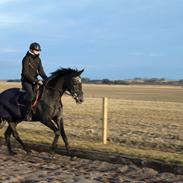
(74, 92)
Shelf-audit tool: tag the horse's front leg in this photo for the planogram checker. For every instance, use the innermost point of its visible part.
(51, 126)
(17, 137)
(60, 123)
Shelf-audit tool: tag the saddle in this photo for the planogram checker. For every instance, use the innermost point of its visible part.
(36, 99)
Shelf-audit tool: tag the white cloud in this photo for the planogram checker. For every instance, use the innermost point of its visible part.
(7, 1)
(8, 50)
(8, 21)
(136, 53)
(154, 54)
(4, 2)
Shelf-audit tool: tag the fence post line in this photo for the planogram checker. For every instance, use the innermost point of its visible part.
(104, 125)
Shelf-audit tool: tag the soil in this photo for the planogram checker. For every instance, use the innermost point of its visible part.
(42, 168)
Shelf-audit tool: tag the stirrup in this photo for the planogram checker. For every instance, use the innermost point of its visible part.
(28, 116)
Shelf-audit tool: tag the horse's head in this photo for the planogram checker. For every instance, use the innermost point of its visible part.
(74, 86)
(66, 80)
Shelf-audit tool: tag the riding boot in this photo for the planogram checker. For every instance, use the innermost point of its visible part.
(28, 114)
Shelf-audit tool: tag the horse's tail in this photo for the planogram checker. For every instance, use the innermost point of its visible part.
(2, 123)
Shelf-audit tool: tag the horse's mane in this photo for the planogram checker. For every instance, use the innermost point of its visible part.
(64, 71)
(61, 72)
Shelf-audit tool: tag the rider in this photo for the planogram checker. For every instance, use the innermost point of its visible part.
(31, 68)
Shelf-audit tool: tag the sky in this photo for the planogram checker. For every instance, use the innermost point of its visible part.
(113, 39)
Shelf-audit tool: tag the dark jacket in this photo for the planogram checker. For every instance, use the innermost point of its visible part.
(31, 68)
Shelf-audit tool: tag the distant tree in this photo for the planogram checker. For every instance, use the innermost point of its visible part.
(138, 78)
(180, 82)
(120, 82)
(13, 80)
(106, 81)
(85, 80)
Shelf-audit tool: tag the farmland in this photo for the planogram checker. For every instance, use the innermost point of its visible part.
(143, 121)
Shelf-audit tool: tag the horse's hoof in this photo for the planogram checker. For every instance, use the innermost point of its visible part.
(73, 158)
(12, 153)
(28, 152)
(52, 157)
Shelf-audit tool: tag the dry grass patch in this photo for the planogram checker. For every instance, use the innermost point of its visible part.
(138, 124)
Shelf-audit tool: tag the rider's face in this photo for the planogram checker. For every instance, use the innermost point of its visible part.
(35, 52)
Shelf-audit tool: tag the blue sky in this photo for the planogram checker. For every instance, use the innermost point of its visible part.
(114, 39)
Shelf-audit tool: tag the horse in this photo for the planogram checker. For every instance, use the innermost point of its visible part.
(49, 109)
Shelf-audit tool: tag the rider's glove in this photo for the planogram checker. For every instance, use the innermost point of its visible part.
(40, 82)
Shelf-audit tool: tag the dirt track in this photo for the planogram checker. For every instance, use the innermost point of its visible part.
(40, 167)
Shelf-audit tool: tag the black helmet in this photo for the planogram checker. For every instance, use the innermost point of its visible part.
(35, 46)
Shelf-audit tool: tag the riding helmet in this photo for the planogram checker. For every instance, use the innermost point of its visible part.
(35, 46)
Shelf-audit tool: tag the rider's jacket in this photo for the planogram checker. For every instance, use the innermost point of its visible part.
(31, 68)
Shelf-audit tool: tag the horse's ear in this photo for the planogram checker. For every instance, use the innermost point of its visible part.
(80, 72)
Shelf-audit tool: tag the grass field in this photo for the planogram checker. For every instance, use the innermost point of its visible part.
(144, 121)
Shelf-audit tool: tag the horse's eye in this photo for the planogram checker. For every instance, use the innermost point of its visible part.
(77, 79)
(74, 82)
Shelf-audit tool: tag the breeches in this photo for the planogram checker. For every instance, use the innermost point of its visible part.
(28, 87)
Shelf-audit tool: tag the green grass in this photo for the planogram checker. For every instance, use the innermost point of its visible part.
(47, 137)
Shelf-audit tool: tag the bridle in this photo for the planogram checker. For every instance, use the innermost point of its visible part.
(73, 92)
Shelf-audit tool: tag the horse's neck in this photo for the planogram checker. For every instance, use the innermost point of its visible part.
(55, 90)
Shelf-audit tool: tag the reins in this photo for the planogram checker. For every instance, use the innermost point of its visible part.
(52, 88)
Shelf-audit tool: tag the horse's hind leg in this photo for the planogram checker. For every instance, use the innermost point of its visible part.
(7, 135)
(16, 136)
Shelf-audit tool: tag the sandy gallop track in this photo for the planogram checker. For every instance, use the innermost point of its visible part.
(40, 167)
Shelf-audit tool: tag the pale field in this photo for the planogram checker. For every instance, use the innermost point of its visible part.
(144, 117)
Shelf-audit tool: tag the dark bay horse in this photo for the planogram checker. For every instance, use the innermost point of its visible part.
(49, 110)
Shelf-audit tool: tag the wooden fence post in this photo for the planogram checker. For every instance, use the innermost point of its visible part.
(104, 126)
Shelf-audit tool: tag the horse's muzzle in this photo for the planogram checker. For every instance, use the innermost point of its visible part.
(79, 100)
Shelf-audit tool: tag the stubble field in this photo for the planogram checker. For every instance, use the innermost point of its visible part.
(145, 121)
